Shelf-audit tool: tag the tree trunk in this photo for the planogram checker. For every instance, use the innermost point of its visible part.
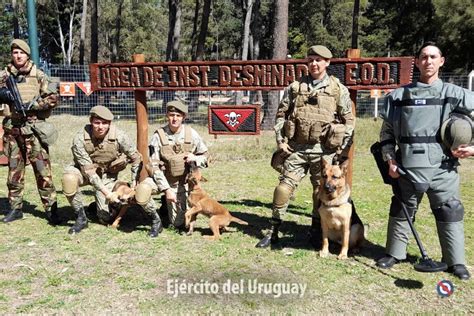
(247, 8)
(94, 32)
(70, 46)
(195, 26)
(16, 26)
(62, 43)
(280, 38)
(83, 32)
(69, 43)
(256, 97)
(206, 11)
(174, 31)
(118, 27)
(203, 30)
(246, 31)
(355, 24)
(174, 34)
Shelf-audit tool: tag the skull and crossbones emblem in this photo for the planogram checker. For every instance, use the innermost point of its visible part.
(232, 116)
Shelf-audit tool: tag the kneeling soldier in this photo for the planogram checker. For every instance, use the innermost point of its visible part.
(100, 152)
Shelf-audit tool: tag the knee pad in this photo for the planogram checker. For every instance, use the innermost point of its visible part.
(282, 194)
(450, 212)
(397, 211)
(70, 184)
(143, 193)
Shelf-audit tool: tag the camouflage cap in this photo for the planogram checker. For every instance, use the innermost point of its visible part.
(21, 44)
(102, 112)
(457, 130)
(320, 50)
(177, 106)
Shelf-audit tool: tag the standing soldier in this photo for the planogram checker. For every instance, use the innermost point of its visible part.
(175, 145)
(100, 151)
(314, 120)
(30, 97)
(420, 161)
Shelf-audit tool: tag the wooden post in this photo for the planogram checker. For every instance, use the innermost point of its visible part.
(142, 121)
(352, 53)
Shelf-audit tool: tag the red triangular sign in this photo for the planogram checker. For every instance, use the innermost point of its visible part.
(233, 118)
(85, 87)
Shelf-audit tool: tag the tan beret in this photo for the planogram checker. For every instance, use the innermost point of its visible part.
(21, 44)
(320, 50)
(102, 112)
(177, 105)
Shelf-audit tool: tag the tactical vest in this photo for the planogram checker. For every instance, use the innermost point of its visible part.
(312, 111)
(103, 153)
(29, 89)
(173, 155)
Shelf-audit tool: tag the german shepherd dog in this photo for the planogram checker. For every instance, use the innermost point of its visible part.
(201, 203)
(126, 196)
(339, 221)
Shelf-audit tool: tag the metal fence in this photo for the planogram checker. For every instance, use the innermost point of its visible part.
(78, 100)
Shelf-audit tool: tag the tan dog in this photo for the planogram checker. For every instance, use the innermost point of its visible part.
(126, 195)
(201, 203)
(336, 211)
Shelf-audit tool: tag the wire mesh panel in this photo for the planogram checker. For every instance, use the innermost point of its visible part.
(78, 99)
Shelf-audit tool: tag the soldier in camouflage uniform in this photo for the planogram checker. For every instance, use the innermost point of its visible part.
(313, 122)
(423, 163)
(175, 145)
(100, 152)
(27, 134)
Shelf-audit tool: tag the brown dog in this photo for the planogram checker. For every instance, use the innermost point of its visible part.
(126, 195)
(339, 222)
(201, 203)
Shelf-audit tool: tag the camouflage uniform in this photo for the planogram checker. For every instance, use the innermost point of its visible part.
(90, 170)
(22, 144)
(307, 119)
(162, 180)
(307, 157)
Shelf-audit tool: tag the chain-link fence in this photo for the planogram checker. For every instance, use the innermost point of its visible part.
(77, 99)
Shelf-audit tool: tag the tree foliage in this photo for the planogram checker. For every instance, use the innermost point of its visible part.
(386, 28)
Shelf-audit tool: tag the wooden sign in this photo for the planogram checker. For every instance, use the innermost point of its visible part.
(355, 73)
(225, 119)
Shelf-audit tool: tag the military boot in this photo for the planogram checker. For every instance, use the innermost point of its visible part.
(315, 233)
(81, 222)
(13, 215)
(163, 212)
(272, 236)
(52, 214)
(156, 226)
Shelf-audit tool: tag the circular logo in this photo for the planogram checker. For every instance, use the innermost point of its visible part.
(445, 288)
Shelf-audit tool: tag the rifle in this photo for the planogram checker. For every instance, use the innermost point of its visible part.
(13, 88)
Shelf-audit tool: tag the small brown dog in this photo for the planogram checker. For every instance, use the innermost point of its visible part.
(339, 221)
(126, 195)
(201, 203)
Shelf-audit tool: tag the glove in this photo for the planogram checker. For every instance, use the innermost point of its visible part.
(113, 197)
(285, 148)
(6, 96)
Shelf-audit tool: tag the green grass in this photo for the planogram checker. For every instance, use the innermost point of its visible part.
(43, 270)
